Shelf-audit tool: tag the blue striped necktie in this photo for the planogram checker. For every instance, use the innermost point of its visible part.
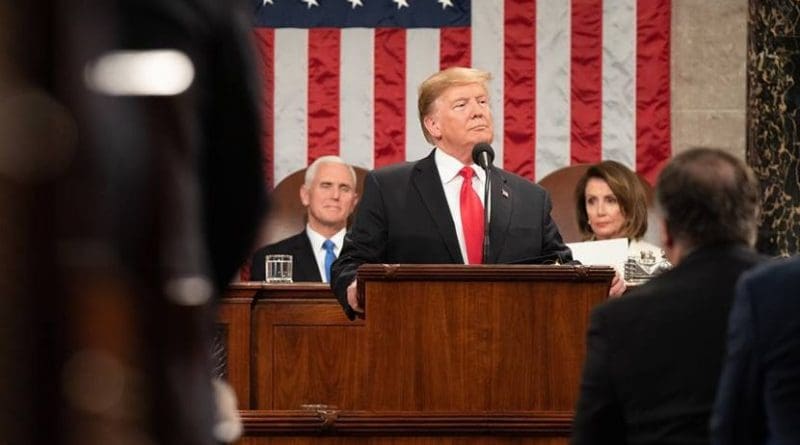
(330, 256)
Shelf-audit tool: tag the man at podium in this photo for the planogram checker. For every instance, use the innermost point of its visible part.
(432, 211)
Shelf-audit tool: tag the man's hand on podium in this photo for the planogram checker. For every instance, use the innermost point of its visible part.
(352, 297)
(617, 286)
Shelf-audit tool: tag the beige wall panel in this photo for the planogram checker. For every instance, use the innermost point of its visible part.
(710, 128)
(709, 46)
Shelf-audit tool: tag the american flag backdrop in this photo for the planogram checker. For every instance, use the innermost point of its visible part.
(574, 81)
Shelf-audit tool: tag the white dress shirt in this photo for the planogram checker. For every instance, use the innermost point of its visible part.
(319, 251)
(449, 167)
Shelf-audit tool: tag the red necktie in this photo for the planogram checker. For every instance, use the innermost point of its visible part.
(471, 217)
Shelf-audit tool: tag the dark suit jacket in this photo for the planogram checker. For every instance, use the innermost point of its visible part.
(403, 217)
(304, 264)
(758, 401)
(654, 355)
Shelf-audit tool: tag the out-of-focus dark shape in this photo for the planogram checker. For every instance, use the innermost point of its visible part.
(758, 397)
(130, 192)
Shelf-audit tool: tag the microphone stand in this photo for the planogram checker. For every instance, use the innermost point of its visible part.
(487, 207)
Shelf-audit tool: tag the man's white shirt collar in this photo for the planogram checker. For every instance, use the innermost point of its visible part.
(449, 167)
(317, 239)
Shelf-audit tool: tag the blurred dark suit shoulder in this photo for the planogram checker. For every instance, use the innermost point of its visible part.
(758, 401)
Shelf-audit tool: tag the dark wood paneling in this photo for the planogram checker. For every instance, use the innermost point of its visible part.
(305, 351)
(476, 345)
(445, 354)
(404, 440)
(363, 427)
(234, 315)
(405, 422)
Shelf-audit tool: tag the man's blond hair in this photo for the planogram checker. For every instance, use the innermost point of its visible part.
(435, 85)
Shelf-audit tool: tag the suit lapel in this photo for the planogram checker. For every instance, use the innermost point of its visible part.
(502, 201)
(429, 186)
(309, 262)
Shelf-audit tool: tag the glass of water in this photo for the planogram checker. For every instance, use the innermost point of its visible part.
(278, 268)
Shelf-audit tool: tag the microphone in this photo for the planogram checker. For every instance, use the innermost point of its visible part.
(483, 155)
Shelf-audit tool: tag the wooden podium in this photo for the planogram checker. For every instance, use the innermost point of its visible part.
(445, 354)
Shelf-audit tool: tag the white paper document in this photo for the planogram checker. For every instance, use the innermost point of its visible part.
(613, 252)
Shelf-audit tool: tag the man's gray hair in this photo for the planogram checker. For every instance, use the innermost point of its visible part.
(311, 171)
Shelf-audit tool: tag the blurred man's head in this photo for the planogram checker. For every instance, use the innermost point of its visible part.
(706, 197)
(329, 194)
(454, 110)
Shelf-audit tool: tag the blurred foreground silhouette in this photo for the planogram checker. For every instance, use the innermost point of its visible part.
(130, 192)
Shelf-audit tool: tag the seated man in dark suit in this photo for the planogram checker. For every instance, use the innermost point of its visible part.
(654, 355)
(431, 211)
(329, 195)
(758, 401)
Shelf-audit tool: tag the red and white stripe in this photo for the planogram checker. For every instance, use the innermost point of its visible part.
(574, 82)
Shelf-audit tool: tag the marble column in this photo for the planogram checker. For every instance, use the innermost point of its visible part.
(773, 110)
